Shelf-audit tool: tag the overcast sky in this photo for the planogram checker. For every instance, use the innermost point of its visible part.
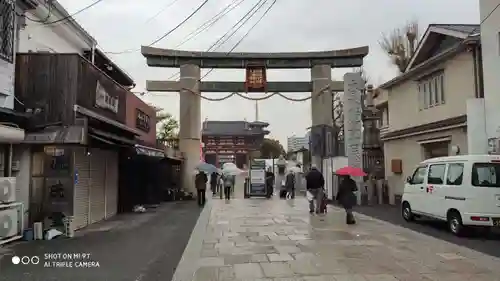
(292, 25)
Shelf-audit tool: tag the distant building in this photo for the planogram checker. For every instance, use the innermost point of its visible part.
(295, 143)
(231, 141)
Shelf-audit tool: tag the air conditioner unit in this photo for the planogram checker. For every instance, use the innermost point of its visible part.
(15, 165)
(7, 190)
(9, 223)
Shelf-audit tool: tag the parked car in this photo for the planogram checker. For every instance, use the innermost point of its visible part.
(464, 191)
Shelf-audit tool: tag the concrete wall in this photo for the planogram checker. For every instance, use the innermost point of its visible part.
(411, 152)
(132, 103)
(490, 43)
(458, 87)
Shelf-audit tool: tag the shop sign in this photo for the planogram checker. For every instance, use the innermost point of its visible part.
(104, 100)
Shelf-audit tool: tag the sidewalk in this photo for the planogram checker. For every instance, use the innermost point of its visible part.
(145, 247)
(258, 239)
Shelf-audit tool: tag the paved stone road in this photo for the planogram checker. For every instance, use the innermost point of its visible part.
(258, 239)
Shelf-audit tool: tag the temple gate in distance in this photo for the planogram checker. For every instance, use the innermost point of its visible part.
(321, 87)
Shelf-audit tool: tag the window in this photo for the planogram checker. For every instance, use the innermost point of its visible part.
(431, 90)
(418, 176)
(455, 174)
(436, 174)
(486, 174)
(7, 30)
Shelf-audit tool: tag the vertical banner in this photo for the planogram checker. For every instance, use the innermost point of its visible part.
(353, 124)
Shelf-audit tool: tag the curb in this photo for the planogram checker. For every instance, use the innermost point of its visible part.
(185, 269)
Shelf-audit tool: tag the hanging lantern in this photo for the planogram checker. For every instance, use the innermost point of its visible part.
(256, 78)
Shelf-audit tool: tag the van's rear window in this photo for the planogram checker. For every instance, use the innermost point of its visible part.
(486, 174)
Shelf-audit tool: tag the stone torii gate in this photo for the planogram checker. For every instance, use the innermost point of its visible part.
(189, 86)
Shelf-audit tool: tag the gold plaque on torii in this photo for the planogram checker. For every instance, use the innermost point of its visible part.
(255, 78)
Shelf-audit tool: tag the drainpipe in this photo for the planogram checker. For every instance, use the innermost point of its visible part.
(92, 58)
(480, 77)
(474, 68)
(478, 72)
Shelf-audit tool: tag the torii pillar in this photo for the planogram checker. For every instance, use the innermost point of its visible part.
(321, 101)
(190, 122)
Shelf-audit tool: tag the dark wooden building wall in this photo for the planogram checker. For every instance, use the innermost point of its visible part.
(54, 83)
(48, 82)
(87, 84)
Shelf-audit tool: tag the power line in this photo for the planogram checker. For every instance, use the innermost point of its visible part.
(168, 33)
(239, 24)
(247, 33)
(161, 11)
(70, 16)
(211, 22)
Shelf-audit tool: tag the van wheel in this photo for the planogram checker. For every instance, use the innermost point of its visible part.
(455, 223)
(407, 213)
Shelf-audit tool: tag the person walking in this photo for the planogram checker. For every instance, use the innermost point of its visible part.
(315, 182)
(290, 185)
(213, 182)
(347, 198)
(228, 185)
(269, 182)
(201, 180)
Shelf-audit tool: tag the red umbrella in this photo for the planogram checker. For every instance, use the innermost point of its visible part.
(350, 171)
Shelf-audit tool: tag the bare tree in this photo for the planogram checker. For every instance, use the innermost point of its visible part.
(400, 44)
(364, 75)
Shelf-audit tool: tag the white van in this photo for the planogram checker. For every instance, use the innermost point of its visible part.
(462, 190)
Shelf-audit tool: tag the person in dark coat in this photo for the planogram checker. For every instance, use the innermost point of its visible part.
(290, 184)
(346, 197)
(269, 183)
(201, 180)
(315, 182)
(214, 179)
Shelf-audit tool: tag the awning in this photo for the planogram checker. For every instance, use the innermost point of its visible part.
(57, 135)
(9, 134)
(92, 114)
(109, 138)
(149, 151)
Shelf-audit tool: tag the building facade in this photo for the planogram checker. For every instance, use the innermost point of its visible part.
(295, 143)
(231, 141)
(141, 116)
(78, 125)
(424, 110)
(490, 28)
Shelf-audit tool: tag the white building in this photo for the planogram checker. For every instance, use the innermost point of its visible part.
(487, 112)
(65, 36)
(295, 143)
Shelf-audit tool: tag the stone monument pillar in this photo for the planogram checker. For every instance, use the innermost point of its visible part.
(190, 122)
(321, 101)
(353, 124)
